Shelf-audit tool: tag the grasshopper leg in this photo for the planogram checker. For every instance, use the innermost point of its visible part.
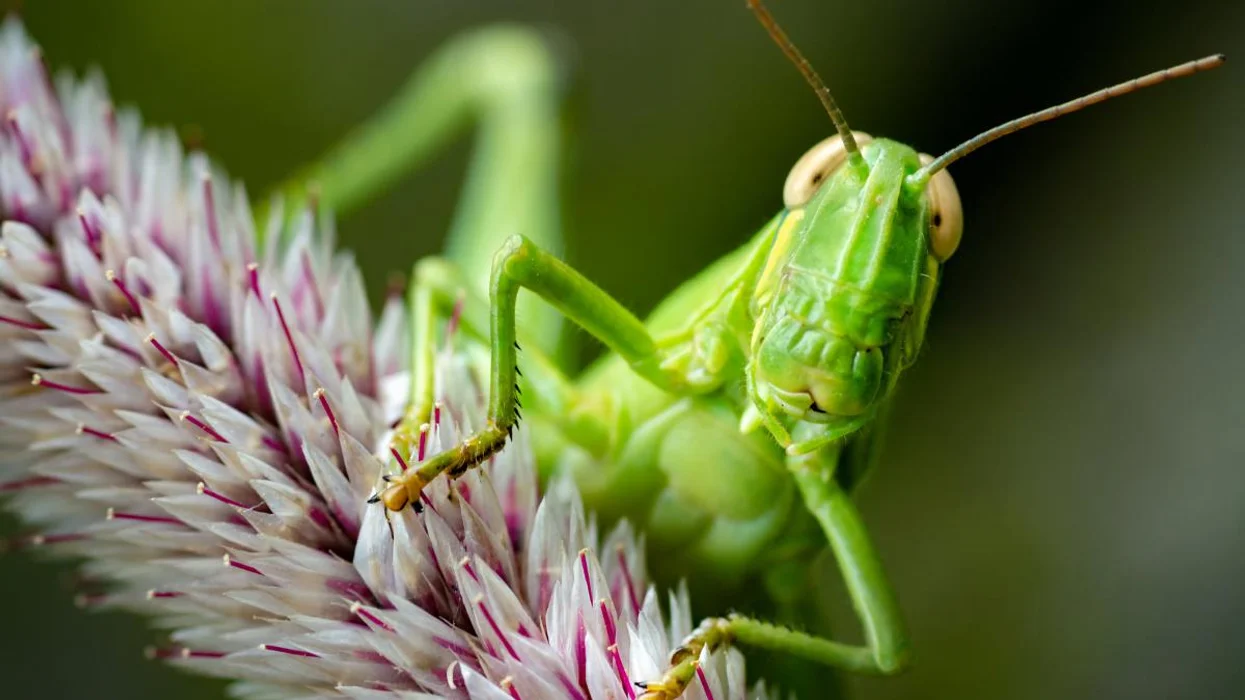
(506, 82)
(886, 649)
(717, 632)
(439, 292)
(521, 264)
(694, 360)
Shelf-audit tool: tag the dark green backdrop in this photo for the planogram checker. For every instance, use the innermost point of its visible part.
(1062, 505)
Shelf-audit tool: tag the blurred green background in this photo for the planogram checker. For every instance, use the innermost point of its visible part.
(1062, 503)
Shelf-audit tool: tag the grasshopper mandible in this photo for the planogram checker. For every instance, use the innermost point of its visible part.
(804, 331)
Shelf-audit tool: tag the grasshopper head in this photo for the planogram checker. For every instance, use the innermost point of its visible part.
(843, 302)
(842, 305)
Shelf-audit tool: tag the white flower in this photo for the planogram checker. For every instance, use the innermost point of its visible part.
(198, 417)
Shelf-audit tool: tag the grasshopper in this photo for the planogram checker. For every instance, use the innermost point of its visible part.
(733, 425)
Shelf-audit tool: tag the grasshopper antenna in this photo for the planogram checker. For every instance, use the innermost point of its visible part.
(920, 177)
(806, 69)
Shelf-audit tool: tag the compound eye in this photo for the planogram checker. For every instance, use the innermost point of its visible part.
(814, 167)
(946, 217)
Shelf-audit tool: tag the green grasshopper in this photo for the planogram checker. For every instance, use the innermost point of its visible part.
(804, 331)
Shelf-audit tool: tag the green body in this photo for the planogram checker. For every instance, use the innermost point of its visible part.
(734, 426)
(805, 330)
(826, 301)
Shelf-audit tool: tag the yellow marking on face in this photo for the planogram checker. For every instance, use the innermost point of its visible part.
(783, 241)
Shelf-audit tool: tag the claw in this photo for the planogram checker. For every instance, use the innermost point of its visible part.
(658, 691)
(685, 660)
(402, 491)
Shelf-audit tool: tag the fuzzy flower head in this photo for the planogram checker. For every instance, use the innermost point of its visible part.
(201, 418)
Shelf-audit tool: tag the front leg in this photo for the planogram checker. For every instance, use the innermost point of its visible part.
(522, 264)
(886, 648)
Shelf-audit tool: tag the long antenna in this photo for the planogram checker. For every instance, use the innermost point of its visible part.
(921, 176)
(806, 69)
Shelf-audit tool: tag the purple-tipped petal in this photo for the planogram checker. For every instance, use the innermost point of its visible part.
(201, 416)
